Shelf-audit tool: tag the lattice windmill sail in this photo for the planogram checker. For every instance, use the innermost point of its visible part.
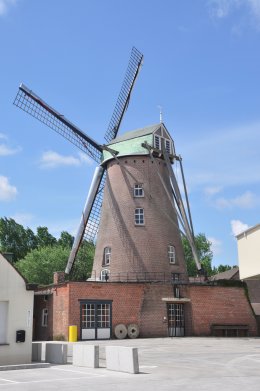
(107, 156)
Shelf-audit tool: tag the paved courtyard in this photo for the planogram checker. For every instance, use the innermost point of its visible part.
(165, 364)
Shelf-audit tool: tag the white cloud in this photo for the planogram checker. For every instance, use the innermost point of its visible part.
(216, 246)
(237, 227)
(212, 190)
(3, 136)
(6, 151)
(51, 159)
(7, 191)
(5, 4)
(84, 158)
(220, 9)
(244, 201)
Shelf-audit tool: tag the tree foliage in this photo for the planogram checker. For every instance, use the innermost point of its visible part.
(205, 255)
(14, 238)
(19, 241)
(39, 265)
(38, 256)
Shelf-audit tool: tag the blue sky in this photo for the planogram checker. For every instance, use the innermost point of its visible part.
(201, 64)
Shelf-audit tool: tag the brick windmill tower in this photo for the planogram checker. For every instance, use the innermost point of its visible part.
(134, 190)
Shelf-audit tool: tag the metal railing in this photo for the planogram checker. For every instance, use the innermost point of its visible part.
(160, 277)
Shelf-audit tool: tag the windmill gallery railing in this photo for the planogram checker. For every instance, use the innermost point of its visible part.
(160, 277)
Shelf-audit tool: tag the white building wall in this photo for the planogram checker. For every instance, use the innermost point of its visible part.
(249, 253)
(16, 313)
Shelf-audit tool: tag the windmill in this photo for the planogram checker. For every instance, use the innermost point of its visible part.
(124, 164)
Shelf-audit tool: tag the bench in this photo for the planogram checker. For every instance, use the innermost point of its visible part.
(229, 330)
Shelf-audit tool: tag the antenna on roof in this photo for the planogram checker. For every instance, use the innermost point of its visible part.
(160, 108)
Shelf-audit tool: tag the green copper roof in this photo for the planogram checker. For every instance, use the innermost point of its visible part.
(130, 143)
(136, 133)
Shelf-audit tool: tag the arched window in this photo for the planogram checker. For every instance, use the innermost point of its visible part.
(104, 275)
(106, 256)
(171, 254)
(138, 190)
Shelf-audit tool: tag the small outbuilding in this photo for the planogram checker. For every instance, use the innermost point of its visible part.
(16, 316)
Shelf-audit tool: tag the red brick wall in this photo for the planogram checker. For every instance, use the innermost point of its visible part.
(61, 310)
(127, 300)
(219, 305)
(41, 333)
(141, 303)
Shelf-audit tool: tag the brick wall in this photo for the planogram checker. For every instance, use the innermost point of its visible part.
(220, 305)
(136, 249)
(126, 306)
(42, 333)
(142, 304)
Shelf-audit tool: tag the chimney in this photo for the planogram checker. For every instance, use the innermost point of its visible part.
(58, 277)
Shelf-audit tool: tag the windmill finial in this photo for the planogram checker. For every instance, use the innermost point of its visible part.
(161, 118)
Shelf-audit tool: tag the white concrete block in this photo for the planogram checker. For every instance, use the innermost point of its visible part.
(37, 351)
(85, 355)
(56, 353)
(122, 359)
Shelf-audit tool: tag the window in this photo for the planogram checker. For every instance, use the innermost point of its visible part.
(139, 216)
(168, 146)
(104, 275)
(171, 254)
(138, 190)
(103, 316)
(3, 321)
(107, 256)
(176, 292)
(45, 317)
(175, 277)
(157, 142)
(88, 316)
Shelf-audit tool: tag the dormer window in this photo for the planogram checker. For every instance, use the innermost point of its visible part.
(160, 141)
(157, 142)
(167, 146)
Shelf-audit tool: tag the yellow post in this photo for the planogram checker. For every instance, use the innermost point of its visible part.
(73, 333)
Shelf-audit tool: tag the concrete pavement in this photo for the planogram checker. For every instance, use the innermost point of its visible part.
(208, 364)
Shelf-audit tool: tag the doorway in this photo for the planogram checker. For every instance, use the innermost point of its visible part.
(95, 319)
(176, 325)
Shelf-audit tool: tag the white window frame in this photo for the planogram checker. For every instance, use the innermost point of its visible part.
(45, 314)
(159, 141)
(169, 148)
(107, 256)
(103, 274)
(163, 140)
(138, 190)
(3, 321)
(172, 254)
(139, 216)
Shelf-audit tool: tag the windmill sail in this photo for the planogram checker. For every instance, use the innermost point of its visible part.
(178, 199)
(91, 209)
(91, 215)
(132, 71)
(35, 106)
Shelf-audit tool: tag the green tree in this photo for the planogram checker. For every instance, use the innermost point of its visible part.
(204, 253)
(66, 239)
(39, 265)
(15, 238)
(44, 238)
(221, 269)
